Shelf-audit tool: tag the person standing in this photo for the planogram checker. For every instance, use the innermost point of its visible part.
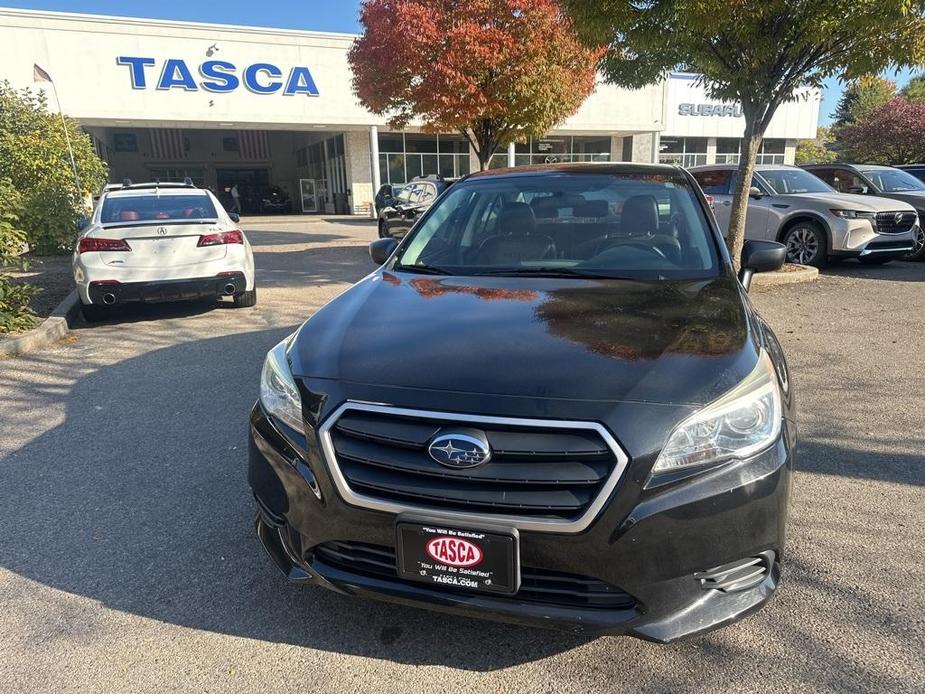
(235, 202)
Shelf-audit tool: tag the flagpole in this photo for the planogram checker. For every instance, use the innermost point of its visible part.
(67, 138)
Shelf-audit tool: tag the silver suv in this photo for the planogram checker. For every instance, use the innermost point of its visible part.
(813, 220)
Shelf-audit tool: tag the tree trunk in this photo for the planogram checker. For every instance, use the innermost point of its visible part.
(735, 237)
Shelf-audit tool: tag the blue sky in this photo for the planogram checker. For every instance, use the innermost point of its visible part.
(330, 15)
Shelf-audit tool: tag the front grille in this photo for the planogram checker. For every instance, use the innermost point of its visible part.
(888, 224)
(536, 585)
(553, 471)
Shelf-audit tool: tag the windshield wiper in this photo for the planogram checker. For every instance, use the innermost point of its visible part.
(552, 272)
(422, 269)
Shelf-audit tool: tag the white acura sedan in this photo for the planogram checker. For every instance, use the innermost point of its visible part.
(155, 242)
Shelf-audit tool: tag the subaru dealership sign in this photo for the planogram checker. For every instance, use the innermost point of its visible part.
(217, 76)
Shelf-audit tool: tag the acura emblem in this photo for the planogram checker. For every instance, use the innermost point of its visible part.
(162, 231)
(460, 448)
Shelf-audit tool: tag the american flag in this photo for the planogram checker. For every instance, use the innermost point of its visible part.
(167, 144)
(254, 144)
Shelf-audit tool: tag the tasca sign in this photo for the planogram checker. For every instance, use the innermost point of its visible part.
(732, 110)
(217, 76)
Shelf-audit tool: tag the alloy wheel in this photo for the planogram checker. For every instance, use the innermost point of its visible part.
(802, 246)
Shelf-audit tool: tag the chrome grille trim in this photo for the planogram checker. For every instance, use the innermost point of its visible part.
(538, 524)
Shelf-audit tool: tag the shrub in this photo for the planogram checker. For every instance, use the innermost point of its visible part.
(34, 158)
(14, 298)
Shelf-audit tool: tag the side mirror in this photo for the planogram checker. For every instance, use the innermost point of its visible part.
(234, 216)
(381, 249)
(761, 256)
(858, 190)
(755, 192)
(83, 223)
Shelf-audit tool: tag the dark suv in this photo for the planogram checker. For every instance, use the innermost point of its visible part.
(398, 214)
(551, 404)
(883, 182)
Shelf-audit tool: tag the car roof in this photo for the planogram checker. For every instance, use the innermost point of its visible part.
(149, 192)
(733, 167)
(539, 170)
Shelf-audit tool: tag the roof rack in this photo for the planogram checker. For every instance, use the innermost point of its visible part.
(428, 177)
(127, 184)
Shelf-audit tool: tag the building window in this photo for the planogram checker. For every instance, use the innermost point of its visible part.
(558, 149)
(728, 150)
(683, 151)
(125, 142)
(179, 175)
(771, 152)
(403, 156)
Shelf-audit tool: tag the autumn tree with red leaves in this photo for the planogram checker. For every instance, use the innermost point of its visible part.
(497, 71)
(891, 134)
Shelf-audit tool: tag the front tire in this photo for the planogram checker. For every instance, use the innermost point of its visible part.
(806, 245)
(918, 246)
(245, 299)
(94, 313)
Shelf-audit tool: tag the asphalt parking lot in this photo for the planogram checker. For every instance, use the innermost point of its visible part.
(128, 560)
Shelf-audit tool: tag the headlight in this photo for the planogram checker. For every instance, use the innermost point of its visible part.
(741, 423)
(854, 214)
(278, 393)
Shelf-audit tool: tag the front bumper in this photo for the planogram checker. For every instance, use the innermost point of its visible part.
(651, 544)
(856, 238)
(114, 293)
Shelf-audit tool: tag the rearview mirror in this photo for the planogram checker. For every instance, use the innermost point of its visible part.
(83, 223)
(381, 249)
(761, 256)
(755, 192)
(234, 217)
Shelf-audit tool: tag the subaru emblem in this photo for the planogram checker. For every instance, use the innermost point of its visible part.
(460, 448)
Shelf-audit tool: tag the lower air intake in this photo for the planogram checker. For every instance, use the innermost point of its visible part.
(738, 575)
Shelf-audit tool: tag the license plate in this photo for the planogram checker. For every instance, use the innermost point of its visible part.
(460, 558)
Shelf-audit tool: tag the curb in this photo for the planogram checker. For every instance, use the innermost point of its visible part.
(49, 331)
(804, 273)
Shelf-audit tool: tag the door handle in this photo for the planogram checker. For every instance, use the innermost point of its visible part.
(727, 203)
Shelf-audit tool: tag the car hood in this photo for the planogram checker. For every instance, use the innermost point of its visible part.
(852, 201)
(916, 199)
(613, 340)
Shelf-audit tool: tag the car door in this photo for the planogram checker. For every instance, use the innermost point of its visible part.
(760, 220)
(843, 179)
(717, 183)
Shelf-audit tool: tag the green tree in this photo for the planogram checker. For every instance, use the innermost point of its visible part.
(497, 71)
(14, 298)
(892, 134)
(759, 53)
(861, 96)
(914, 90)
(34, 158)
(818, 151)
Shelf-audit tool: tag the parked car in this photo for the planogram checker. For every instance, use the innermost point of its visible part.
(588, 426)
(161, 242)
(812, 219)
(275, 200)
(884, 182)
(384, 196)
(917, 170)
(400, 212)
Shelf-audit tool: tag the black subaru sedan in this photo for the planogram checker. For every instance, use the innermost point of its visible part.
(551, 404)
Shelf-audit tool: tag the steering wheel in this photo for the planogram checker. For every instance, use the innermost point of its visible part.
(654, 250)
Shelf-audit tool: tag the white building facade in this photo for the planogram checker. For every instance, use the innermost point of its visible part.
(275, 108)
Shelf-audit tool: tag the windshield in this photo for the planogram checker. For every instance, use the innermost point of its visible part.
(143, 208)
(893, 180)
(565, 223)
(789, 181)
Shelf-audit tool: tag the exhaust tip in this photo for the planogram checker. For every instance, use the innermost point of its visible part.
(109, 298)
(229, 289)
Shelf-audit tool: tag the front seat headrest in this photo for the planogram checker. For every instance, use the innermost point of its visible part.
(639, 215)
(516, 219)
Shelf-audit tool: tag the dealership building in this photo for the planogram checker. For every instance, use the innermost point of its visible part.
(275, 108)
